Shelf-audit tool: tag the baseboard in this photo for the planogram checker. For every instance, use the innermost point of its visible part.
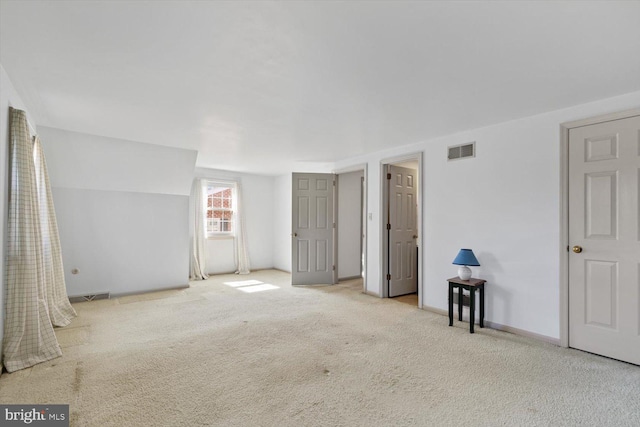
(521, 332)
(373, 294)
(341, 279)
(221, 273)
(148, 291)
(500, 327)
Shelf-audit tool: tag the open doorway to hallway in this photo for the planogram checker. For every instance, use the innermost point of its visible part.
(402, 228)
(351, 227)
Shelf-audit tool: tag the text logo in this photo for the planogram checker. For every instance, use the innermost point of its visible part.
(34, 415)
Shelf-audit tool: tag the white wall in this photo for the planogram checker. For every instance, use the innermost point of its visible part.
(122, 210)
(349, 219)
(8, 98)
(258, 201)
(95, 162)
(282, 222)
(504, 204)
(257, 195)
(122, 242)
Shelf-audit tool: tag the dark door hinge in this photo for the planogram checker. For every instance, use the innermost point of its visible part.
(388, 277)
(388, 176)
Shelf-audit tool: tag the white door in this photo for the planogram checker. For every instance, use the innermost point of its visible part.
(402, 274)
(312, 229)
(604, 282)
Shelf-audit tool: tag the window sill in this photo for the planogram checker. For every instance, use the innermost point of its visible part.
(222, 237)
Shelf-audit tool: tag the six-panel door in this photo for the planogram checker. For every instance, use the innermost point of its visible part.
(604, 239)
(312, 229)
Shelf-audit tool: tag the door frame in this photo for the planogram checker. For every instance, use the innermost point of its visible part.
(564, 209)
(363, 167)
(384, 194)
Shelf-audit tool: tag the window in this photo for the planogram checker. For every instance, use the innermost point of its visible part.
(220, 209)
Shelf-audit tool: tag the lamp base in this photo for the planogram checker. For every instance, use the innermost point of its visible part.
(464, 272)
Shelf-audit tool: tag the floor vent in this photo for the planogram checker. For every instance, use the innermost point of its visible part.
(463, 151)
(91, 297)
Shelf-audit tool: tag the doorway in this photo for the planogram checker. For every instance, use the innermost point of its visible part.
(329, 235)
(351, 226)
(401, 228)
(602, 224)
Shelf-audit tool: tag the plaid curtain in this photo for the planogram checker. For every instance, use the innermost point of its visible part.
(29, 337)
(60, 310)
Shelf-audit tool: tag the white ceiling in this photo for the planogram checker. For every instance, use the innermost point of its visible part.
(258, 86)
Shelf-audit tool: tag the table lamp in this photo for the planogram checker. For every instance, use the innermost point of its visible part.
(465, 257)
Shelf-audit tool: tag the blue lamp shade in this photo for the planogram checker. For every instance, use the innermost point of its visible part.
(465, 257)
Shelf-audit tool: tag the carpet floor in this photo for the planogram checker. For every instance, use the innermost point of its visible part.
(264, 353)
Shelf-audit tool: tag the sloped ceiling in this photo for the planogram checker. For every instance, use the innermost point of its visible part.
(262, 86)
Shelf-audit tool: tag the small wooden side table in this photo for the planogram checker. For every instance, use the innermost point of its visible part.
(471, 285)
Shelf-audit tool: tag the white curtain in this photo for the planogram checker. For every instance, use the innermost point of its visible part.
(29, 337)
(243, 264)
(198, 250)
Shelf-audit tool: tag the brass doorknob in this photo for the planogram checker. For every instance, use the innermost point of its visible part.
(577, 249)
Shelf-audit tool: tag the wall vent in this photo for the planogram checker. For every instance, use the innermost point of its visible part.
(90, 297)
(462, 151)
